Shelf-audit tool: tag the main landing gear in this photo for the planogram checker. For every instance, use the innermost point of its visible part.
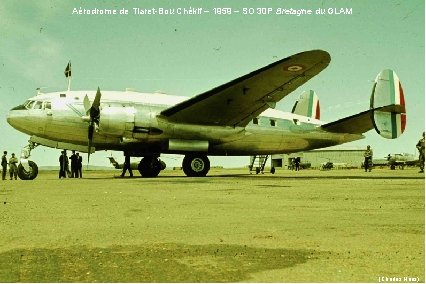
(151, 166)
(194, 165)
(27, 170)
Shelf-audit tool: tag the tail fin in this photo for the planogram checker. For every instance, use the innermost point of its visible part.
(387, 103)
(386, 114)
(307, 105)
(114, 162)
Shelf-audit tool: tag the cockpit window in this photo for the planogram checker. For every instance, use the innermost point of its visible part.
(47, 105)
(29, 104)
(38, 105)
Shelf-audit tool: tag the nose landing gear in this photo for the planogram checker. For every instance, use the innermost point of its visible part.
(27, 170)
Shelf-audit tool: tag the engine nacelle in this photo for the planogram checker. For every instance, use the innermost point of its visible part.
(116, 120)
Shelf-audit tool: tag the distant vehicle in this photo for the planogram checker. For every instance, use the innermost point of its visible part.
(397, 161)
(326, 166)
(401, 160)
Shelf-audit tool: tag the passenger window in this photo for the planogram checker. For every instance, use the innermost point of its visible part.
(273, 122)
(255, 120)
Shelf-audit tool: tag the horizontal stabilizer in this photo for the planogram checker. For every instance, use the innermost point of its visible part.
(355, 124)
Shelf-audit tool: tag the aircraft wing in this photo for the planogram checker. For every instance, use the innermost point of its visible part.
(237, 102)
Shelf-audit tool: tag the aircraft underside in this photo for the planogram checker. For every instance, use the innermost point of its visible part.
(196, 162)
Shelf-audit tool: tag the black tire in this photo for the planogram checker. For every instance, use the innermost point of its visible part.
(28, 175)
(150, 167)
(196, 165)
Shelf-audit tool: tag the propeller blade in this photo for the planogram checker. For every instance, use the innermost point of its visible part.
(86, 104)
(94, 110)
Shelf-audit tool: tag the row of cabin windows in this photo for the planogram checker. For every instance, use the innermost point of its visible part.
(272, 122)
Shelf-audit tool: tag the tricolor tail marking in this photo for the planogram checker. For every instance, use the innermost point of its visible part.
(307, 105)
(388, 91)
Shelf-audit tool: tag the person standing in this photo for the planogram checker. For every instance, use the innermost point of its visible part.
(126, 166)
(79, 165)
(73, 158)
(368, 159)
(421, 147)
(63, 165)
(297, 163)
(4, 165)
(13, 167)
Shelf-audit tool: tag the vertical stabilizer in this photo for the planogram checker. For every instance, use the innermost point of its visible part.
(307, 105)
(390, 120)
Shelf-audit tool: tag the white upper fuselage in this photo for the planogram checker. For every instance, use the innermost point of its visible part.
(131, 121)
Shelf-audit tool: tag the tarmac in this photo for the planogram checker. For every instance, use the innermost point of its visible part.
(231, 226)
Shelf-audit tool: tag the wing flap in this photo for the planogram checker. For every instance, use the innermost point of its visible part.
(237, 102)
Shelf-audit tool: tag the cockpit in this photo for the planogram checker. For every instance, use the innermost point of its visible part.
(34, 104)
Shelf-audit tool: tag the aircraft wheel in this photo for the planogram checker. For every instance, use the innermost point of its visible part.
(150, 166)
(30, 174)
(196, 165)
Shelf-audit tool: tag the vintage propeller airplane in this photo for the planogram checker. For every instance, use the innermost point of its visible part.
(236, 118)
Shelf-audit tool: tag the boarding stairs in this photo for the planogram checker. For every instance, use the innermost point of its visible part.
(257, 163)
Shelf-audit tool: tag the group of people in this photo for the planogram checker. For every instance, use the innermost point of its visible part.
(13, 166)
(76, 165)
(295, 164)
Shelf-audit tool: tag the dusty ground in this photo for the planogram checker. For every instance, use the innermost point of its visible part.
(334, 226)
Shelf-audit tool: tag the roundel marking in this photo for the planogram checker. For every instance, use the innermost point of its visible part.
(294, 68)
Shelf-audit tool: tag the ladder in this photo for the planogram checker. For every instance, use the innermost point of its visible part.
(257, 163)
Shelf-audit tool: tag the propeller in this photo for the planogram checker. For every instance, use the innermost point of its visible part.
(92, 109)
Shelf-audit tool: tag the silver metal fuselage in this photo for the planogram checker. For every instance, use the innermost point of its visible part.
(131, 121)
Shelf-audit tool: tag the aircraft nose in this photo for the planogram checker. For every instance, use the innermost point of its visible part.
(18, 118)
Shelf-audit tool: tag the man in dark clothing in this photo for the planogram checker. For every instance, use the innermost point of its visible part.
(297, 163)
(421, 147)
(73, 158)
(79, 166)
(63, 165)
(126, 166)
(4, 165)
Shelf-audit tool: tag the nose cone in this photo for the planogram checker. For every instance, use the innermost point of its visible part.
(19, 118)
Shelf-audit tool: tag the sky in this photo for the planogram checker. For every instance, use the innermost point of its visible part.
(186, 55)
